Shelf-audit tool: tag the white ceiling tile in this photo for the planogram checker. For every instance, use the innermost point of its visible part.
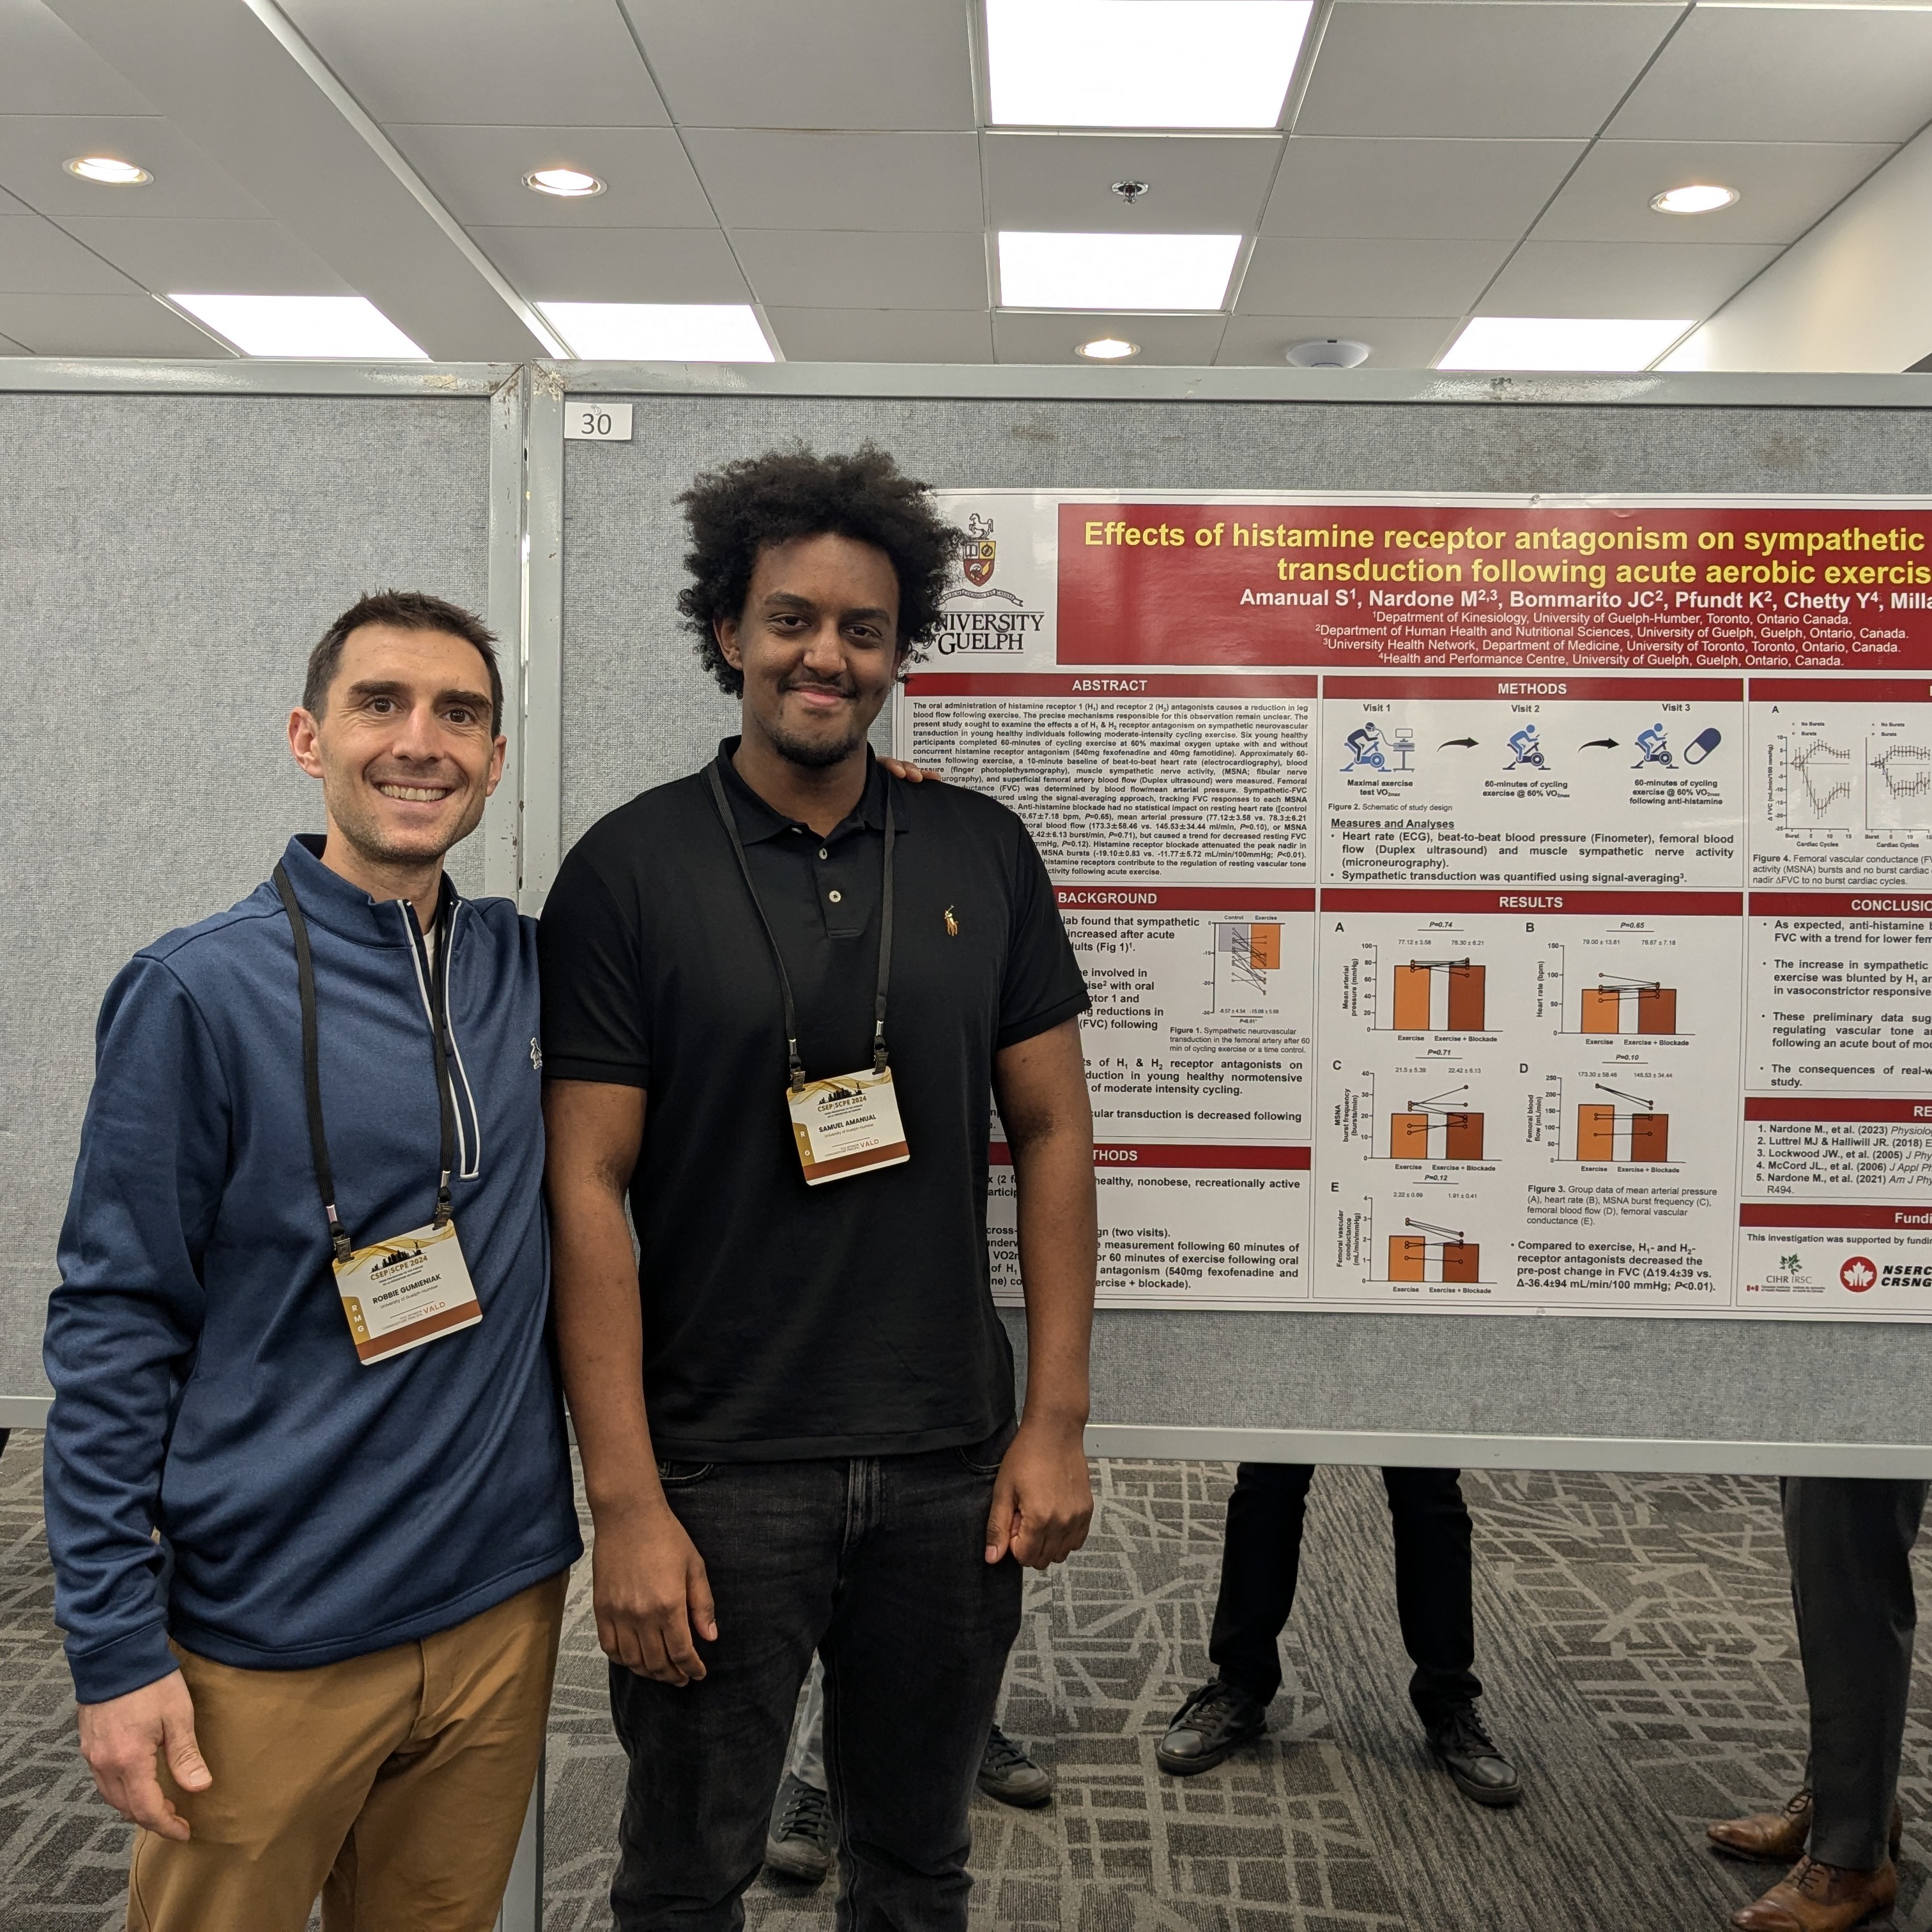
(1784, 73)
(8, 346)
(32, 147)
(806, 268)
(630, 265)
(1466, 189)
(477, 173)
(1477, 67)
(238, 258)
(101, 325)
(1622, 278)
(777, 64)
(1321, 275)
(36, 258)
(883, 335)
(46, 67)
(1784, 188)
(1196, 184)
(760, 177)
(1395, 342)
(479, 60)
(1169, 341)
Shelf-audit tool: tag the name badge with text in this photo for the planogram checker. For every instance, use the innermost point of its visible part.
(847, 1126)
(400, 1293)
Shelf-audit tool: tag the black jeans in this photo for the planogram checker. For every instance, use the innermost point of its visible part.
(1261, 1559)
(878, 1564)
(1850, 1539)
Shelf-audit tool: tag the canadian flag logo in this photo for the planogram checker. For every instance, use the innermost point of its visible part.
(1857, 1274)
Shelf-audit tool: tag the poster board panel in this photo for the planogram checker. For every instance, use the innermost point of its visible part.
(637, 712)
(170, 561)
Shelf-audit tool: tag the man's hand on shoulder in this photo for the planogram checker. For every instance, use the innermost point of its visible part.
(650, 1593)
(122, 1741)
(1043, 1500)
(912, 774)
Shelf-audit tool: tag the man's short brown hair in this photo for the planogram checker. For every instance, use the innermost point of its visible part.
(408, 610)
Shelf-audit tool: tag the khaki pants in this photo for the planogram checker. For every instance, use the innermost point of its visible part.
(393, 1784)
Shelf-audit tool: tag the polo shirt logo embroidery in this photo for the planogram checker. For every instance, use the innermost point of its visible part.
(951, 924)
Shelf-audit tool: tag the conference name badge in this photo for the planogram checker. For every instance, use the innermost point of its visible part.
(400, 1293)
(847, 1126)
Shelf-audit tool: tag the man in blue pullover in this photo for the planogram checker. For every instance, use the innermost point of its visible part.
(307, 1491)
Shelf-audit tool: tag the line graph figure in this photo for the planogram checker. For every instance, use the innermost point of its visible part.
(1825, 774)
(1247, 965)
(1900, 799)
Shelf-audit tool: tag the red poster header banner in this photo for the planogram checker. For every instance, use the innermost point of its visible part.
(1628, 587)
(1117, 1154)
(1841, 905)
(1058, 684)
(1833, 1214)
(1821, 1112)
(1186, 898)
(1530, 899)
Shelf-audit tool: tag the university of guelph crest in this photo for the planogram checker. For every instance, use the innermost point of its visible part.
(977, 552)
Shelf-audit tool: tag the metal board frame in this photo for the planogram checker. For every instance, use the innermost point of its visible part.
(1425, 388)
(522, 827)
(506, 387)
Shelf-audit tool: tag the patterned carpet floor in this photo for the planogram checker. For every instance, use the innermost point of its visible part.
(1634, 1634)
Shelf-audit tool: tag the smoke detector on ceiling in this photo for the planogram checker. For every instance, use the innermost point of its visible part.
(1333, 352)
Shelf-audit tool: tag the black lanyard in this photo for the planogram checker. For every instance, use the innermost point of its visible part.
(318, 1140)
(798, 1076)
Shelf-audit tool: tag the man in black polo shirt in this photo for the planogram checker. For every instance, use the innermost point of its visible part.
(779, 997)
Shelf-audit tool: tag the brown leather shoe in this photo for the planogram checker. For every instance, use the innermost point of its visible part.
(1778, 1837)
(1812, 1897)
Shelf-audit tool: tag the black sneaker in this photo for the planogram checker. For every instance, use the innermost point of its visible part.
(799, 1844)
(1461, 1740)
(1218, 1717)
(1006, 1773)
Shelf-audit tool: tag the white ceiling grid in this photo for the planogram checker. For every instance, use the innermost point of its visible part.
(830, 164)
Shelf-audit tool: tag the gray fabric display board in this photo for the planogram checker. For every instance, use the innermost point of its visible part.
(167, 562)
(1502, 1390)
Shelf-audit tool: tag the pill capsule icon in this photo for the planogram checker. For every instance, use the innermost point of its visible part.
(1701, 747)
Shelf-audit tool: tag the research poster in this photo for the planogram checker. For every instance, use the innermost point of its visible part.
(1489, 904)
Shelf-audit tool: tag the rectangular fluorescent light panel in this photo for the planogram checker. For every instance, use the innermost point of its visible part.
(314, 328)
(1560, 342)
(659, 331)
(1116, 271)
(1142, 63)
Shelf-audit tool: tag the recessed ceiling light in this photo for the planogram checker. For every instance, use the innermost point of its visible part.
(660, 332)
(1328, 352)
(1108, 349)
(107, 168)
(1101, 271)
(327, 327)
(1560, 342)
(1155, 64)
(1696, 198)
(567, 181)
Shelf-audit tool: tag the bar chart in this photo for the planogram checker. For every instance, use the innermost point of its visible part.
(1439, 996)
(1632, 1131)
(1615, 1005)
(1430, 1253)
(1438, 1128)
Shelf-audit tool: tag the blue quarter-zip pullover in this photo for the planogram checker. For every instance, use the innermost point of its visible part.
(205, 1385)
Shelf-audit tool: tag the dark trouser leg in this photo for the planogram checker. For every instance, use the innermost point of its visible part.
(706, 1757)
(1432, 1586)
(1850, 1540)
(1261, 1557)
(913, 1657)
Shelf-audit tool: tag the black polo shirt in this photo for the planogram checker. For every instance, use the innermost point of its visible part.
(784, 1321)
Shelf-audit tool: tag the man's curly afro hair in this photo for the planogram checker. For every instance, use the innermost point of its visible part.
(742, 508)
